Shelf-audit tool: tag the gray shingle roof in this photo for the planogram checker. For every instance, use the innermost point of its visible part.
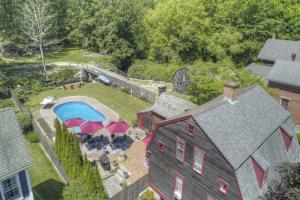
(238, 129)
(14, 153)
(259, 69)
(286, 73)
(169, 106)
(269, 155)
(275, 49)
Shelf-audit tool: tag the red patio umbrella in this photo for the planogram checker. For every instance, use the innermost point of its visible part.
(119, 127)
(91, 127)
(70, 123)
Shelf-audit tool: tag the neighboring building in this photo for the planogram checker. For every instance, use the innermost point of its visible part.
(15, 159)
(282, 71)
(227, 149)
(181, 80)
(285, 76)
(165, 107)
(275, 49)
(260, 69)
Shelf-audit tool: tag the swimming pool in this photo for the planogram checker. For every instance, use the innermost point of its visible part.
(76, 109)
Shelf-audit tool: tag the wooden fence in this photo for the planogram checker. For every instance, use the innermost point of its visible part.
(48, 148)
(43, 138)
(132, 191)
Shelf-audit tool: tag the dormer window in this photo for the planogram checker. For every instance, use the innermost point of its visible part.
(261, 174)
(191, 129)
(223, 187)
(286, 138)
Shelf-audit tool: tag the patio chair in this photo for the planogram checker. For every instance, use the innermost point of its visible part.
(113, 146)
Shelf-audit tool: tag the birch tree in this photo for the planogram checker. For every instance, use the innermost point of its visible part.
(37, 24)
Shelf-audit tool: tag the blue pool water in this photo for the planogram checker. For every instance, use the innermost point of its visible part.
(78, 110)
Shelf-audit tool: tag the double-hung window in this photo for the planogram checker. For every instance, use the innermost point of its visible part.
(284, 102)
(178, 187)
(198, 160)
(10, 188)
(180, 149)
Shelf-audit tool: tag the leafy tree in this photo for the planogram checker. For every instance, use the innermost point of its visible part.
(76, 190)
(289, 186)
(58, 137)
(119, 29)
(207, 79)
(177, 31)
(37, 23)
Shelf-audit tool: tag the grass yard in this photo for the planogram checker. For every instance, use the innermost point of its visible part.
(126, 105)
(46, 183)
(66, 55)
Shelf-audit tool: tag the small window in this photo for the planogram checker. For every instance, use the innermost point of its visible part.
(223, 187)
(191, 129)
(209, 198)
(286, 138)
(10, 188)
(180, 149)
(160, 146)
(285, 102)
(198, 160)
(178, 187)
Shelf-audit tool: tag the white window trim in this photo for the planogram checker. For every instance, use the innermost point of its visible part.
(18, 185)
(285, 98)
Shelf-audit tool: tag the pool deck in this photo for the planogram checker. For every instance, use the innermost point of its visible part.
(49, 115)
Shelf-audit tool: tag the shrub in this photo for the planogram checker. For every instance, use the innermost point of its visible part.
(134, 122)
(6, 103)
(32, 137)
(148, 70)
(25, 122)
(148, 195)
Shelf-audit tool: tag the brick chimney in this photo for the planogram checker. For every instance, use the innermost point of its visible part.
(293, 56)
(230, 90)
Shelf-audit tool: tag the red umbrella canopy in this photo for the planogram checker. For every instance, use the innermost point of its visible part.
(91, 127)
(70, 123)
(117, 127)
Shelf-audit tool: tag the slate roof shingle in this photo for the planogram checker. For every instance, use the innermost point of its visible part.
(259, 69)
(285, 72)
(14, 153)
(169, 106)
(246, 123)
(275, 49)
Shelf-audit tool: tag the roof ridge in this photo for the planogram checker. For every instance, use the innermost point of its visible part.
(263, 142)
(240, 92)
(5, 109)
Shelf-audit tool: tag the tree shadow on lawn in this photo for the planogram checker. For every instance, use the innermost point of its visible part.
(48, 190)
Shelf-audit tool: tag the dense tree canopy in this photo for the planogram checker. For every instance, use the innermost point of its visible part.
(207, 79)
(164, 30)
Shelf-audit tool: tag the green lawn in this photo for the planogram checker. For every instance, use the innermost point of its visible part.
(66, 55)
(126, 105)
(46, 183)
